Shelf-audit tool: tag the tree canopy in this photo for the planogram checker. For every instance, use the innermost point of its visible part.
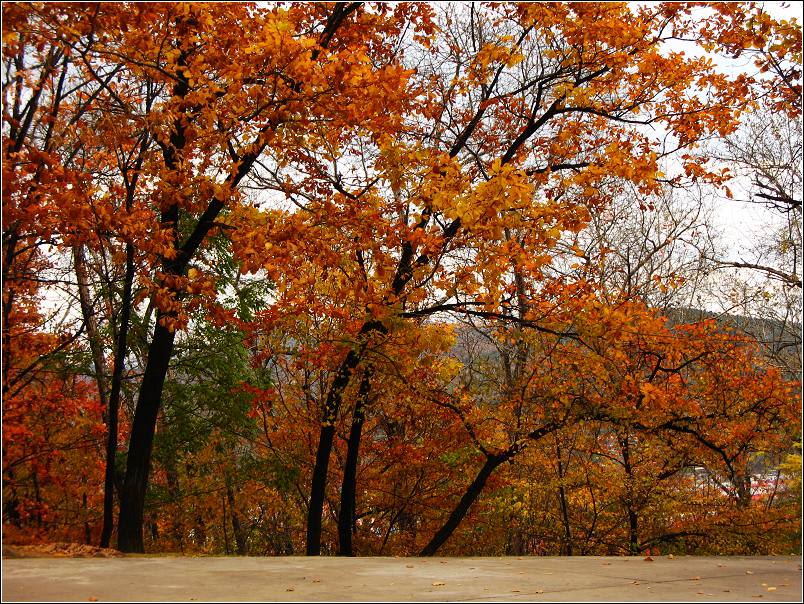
(370, 278)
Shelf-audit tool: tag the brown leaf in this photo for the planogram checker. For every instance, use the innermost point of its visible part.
(648, 559)
(438, 583)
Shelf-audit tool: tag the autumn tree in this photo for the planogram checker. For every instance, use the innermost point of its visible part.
(522, 114)
(47, 196)
(388, 170)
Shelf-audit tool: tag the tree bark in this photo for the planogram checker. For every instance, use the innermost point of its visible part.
(468, 498)
(132, 497)
(346, 516)
(327, 434)
(474, 489)
(239, 533)
(562, 498)
(633, 532)
(88, 315)
(325, 438)
(633, 518)
(114, 400)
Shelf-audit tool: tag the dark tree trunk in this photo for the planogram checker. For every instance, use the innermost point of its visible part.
(469, 497)
(346, 517)
(329, 416)
(239, 533)
(633, 532)
(562, 498)
(633, 519)
(225, 532)
(318, 488)
(114, 400)
(132, 497)
(474, 489)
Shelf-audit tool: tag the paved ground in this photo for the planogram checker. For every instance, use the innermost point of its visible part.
(718, 579)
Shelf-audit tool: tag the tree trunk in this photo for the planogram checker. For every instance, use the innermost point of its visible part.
(469, 497)
(633, 519)
(239, 533)
(562, 498)
(633, 532)
(132, 497)
(346, 517)
(114, 400)
(329, 416)
(88, 315)
(225, 532)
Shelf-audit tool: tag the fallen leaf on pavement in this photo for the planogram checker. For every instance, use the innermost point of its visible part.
(438, 583)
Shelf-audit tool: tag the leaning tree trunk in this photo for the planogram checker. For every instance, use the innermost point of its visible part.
(474, 489)
(470, 495)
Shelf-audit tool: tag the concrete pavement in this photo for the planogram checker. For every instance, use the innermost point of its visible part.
(527, 579)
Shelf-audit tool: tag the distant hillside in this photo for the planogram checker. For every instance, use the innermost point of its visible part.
(782, 339)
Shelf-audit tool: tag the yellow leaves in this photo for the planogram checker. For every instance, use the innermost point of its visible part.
(307, 42)
(490, 53)
(506, 189)
(562, 89)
